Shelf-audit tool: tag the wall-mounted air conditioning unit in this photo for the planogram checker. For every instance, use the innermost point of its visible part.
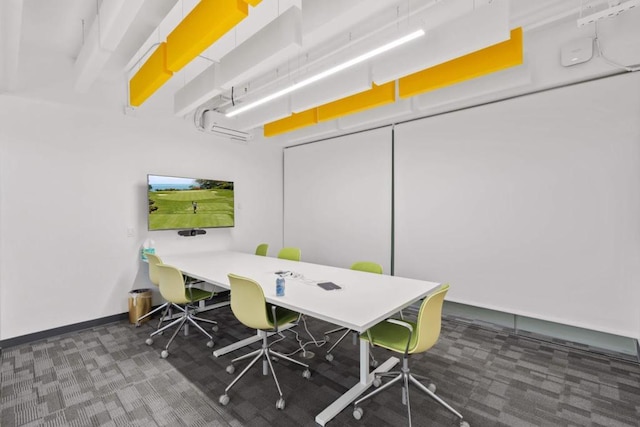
(215, 123)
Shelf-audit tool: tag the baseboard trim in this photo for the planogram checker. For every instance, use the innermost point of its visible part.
(615, 346)
(25, 339)
(36, 336)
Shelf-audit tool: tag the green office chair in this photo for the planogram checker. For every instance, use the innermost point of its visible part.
(250, 307)
(262, 249)
(408, 338)
(154, 277)
(173, 289)
(366, 266)
(293, 254)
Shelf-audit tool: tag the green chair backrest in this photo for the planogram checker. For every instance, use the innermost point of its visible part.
(171, 284)
(248, 303)
(262, 249)
(367, 266)
(154, 275)
(293, 254)
(429, 320)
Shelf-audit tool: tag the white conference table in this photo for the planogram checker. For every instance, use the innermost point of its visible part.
(363, 300)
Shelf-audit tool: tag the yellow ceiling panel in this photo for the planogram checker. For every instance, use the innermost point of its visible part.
(206, 23)
(149, 77)
(253, 3)
(485, 61)
(374, 97)
(293, 122)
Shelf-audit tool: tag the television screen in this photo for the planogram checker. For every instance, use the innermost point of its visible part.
(178, 203)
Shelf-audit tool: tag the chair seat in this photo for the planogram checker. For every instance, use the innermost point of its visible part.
(196, 294)
(391, 336)
(285, 316)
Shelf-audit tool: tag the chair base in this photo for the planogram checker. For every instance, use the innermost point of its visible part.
(187, 318)
(406, 377)
(167, 306)
(266, 354)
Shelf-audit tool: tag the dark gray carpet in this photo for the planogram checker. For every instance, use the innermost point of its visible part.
(107, 376)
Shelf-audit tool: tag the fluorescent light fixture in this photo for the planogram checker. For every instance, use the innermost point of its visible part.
(329, 72)
(462, 35)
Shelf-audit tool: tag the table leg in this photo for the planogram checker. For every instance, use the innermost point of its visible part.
(366, 379)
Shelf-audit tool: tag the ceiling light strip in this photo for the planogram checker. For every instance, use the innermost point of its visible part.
(485, 61)
(329, 72)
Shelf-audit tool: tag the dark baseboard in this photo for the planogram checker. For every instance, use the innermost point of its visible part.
(41, 335)
(36, 336)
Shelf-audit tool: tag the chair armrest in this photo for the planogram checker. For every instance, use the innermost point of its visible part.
(401, 323)
(405, 325)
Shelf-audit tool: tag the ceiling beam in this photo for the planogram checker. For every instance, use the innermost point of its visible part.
(107, 31)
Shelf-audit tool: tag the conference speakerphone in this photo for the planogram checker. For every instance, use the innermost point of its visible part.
(192, 232)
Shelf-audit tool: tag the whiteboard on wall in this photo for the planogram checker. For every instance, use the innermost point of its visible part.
(529, 206)
(337, 199)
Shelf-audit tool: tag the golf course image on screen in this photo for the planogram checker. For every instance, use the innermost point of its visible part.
(181, 203)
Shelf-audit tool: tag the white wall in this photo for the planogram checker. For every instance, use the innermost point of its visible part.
(529, 206)
(337, 196)
(72, 182)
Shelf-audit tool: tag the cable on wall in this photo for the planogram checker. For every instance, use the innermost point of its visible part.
(629, 68)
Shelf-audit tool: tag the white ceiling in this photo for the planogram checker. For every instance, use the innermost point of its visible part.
(40, 41)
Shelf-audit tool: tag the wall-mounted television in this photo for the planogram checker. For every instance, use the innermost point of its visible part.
(177, 203)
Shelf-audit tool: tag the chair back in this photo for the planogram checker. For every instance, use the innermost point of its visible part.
(248, 303)
(367, 266)
(429, 320)
(154, 261)
(293, 254)
(262, 249)
(171, 284)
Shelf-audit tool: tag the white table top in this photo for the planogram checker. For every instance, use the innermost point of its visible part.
(364, 300)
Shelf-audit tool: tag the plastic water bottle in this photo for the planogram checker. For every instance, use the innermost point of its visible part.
(280, 286)
(148, 247)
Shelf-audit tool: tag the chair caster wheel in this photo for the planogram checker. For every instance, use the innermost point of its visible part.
(210, 343)
(215, 328)
(357, 413)
(306, 374)
(377, 382)
(280, 404)
(148, 341)
(137, 324)
(224, 399)
(231, 369)
(374, 363)
(164, 354)
(327, 338)
(329, 357)
(432, 389)
(464, 424)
